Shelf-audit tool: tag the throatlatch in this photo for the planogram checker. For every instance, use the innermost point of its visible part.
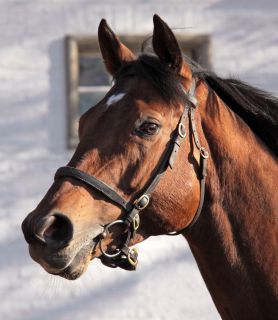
(125, 257)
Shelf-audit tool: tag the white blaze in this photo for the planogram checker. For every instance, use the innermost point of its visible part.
(114, 98)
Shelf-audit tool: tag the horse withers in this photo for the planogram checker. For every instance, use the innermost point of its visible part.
(139, 170)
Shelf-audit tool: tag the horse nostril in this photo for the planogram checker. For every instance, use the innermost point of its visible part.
(57, 231)
(25, 226)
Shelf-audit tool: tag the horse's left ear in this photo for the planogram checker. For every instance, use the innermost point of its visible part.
(114, 52)
(166, 46)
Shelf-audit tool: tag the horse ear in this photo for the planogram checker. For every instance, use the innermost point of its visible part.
(114, 53)
(166, 46)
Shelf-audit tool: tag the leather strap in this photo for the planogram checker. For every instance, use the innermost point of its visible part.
(203, 164)
(94, 183)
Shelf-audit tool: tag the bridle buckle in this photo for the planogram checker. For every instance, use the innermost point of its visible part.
(132, 257)
(204, 153)
(142, 202)
(136, 222)
(181, 130)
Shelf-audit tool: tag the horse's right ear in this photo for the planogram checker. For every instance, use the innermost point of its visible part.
(114, 53)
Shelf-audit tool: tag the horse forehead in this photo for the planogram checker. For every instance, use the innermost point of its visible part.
(115, 98)
(152, 108)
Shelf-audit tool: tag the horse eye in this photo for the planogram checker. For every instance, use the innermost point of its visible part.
(148, 128)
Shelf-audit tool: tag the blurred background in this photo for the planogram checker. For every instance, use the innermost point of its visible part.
(50, 72)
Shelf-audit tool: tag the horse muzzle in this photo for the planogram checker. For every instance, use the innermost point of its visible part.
(53, 244)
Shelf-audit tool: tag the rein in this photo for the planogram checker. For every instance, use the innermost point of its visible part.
(126, 257)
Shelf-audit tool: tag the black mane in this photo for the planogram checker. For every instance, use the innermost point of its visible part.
(259, 109)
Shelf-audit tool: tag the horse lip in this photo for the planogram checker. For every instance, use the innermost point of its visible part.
(78, 262)
(52, 265)
(76, 266)
(68, 263)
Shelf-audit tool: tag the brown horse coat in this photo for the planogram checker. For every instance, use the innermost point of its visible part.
(235, 241)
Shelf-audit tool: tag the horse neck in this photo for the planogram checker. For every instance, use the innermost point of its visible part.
(235, 241)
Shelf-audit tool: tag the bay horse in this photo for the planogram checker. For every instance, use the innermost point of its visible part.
(170, 149)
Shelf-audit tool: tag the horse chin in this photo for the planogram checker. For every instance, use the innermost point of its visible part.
(73, 271)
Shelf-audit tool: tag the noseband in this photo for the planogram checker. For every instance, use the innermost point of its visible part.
(126, 257)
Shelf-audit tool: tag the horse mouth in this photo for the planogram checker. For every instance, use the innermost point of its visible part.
(77, 266)
(69, 264)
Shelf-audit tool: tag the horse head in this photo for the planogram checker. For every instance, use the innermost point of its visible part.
(127, 141)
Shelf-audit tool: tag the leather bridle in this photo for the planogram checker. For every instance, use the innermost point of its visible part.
(124, 256)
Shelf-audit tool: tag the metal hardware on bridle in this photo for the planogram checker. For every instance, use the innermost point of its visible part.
(124, 256)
